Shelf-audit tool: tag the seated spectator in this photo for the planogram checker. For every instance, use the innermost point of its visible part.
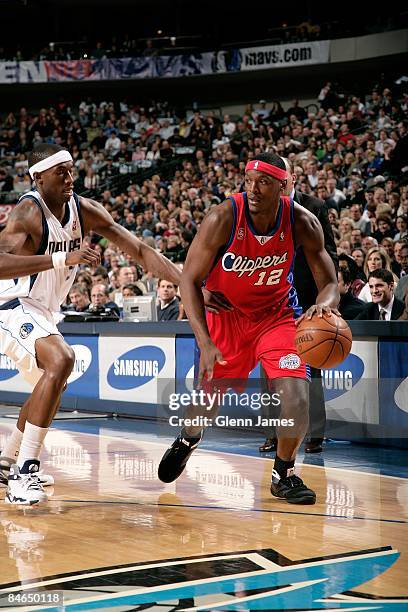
(333, 217)
(85, 280)
(361, 223)
(376, 259)
(350, 307)
(78, 298)
(359, 256)
(100, 301)
(131, 290)
(100, 276)
(385, 306)
(402, 227)
(388, 245)
(355, 238)
(168, 306)
(401, 289)
(346, 262)
(6, 181)
(367, 243)
(384, 228)
(174, 250)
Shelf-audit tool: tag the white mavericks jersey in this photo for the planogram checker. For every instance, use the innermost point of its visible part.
(49, 288)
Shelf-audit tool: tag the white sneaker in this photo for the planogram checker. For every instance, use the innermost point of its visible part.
(5, 464)
(24, 487)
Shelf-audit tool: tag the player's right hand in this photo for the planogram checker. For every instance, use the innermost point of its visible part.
(208, 357)
(83, 256)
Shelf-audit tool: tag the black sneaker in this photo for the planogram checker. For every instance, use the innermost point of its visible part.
(268, 446)
(291, 489)
(175, 458)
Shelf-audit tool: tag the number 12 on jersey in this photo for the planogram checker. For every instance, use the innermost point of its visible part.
(272, 279)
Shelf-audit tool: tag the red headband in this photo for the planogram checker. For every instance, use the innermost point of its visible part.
(261, 166)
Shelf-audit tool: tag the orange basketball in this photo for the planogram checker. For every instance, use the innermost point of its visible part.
(323, 342)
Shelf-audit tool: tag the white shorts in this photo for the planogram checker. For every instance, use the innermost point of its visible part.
(19, 329)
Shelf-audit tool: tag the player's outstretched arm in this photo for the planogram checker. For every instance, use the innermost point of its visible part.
(309, 235)
(98, 219)
(214, 234)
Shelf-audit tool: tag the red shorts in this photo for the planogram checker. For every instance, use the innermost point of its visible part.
(243, 343)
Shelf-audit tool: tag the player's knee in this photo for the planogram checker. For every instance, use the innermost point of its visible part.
(68, 359)
(62, 364)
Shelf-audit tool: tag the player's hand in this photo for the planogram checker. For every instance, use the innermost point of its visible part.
(318, 310)
(83, 256)
(210, 355)
(214, 301)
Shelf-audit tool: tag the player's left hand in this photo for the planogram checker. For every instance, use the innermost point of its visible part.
(318, 310)
(214, 301)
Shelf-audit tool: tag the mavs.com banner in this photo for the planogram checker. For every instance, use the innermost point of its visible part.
(166, 66)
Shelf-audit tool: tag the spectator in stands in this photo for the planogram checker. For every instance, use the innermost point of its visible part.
(361, 223)
(350, 307)
(131, 290)
(376, 259)
(6, 181)
(168, 303)
(79, 298)
(384, 228)
(384, 305)
(402, 227)
(367, 243)
(100, 276)
(401, 289)
(100, 301)
(388, 245)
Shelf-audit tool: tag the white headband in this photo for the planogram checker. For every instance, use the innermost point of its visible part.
(50, 162)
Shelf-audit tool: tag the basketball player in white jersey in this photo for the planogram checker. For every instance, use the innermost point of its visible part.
(49, 223)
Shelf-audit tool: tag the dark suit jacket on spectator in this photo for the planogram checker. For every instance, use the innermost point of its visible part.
(350, 307)
(372, 312)
(303, 277)
(170, 313)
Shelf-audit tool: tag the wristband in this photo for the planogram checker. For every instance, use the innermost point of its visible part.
(58, 260)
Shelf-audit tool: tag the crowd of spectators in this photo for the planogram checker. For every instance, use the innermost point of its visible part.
(350, 152)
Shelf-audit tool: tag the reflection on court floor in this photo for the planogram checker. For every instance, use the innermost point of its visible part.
(114, 537)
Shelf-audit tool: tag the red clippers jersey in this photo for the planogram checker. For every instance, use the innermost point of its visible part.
(255, 272)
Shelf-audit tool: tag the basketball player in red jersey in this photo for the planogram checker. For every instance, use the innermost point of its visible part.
(245, 251)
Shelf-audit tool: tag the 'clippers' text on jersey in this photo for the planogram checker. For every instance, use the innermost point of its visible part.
(255, 272)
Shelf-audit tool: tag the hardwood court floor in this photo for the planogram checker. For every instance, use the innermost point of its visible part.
(108, 510)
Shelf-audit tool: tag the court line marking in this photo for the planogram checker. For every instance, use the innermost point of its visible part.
(202, 507)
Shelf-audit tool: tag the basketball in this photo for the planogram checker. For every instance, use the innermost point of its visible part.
(323, 342)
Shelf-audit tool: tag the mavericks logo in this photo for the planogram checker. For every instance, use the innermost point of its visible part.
(25, 330)
(250, 580)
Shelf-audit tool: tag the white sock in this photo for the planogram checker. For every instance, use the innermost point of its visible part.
(12, 446)
(32, 442)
